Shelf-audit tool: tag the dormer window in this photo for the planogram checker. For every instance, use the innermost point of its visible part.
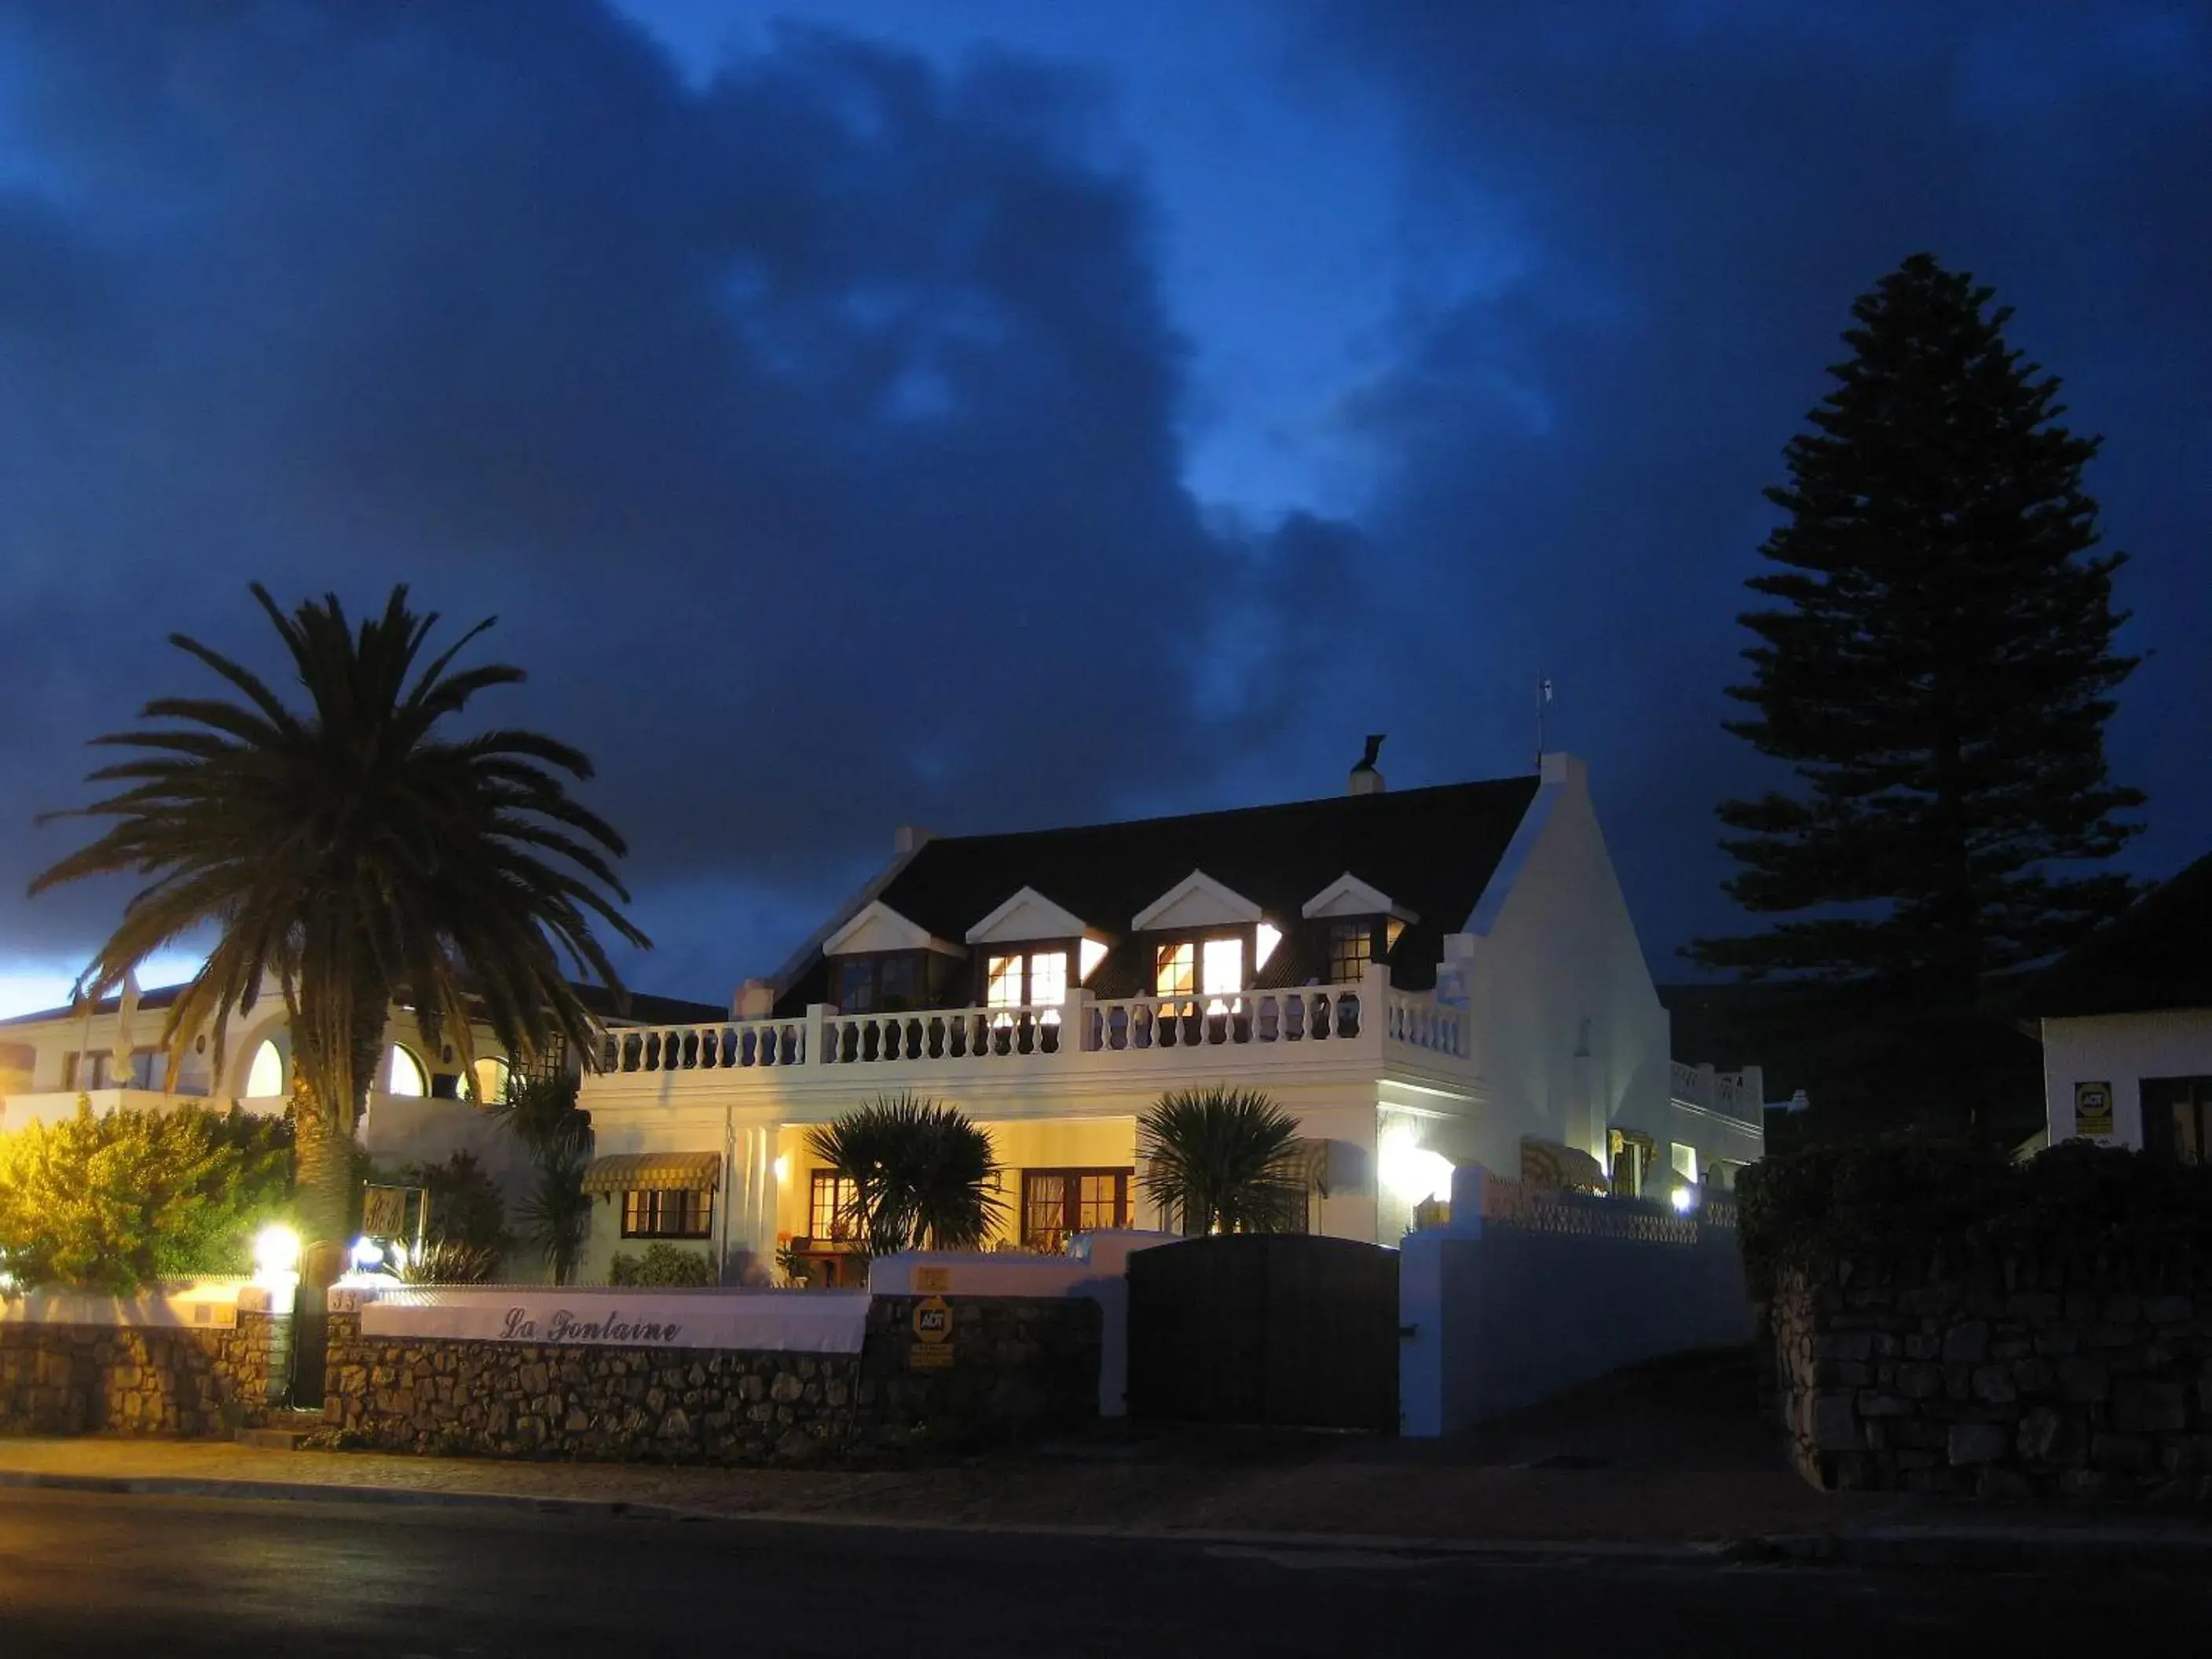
(1350, 948)
(1027, 979)
(1203, 967)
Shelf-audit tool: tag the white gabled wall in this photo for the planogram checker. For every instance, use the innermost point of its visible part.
(1569, 1033)
(2120, 1050)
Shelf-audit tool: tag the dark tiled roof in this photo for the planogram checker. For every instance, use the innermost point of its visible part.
(1431, 850)
(642, 1008)
(157, 999)
(2157, 955)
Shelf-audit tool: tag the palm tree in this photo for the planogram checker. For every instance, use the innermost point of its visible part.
(1223, 1160)
(541, 1112)
(922, 1173)
(349, 854)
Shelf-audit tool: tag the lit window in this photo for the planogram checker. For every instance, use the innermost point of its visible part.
(1003, 988)
(832, 1208)
(1174, 970)
(265, 1077)
(1048, 978)
(404, 1074)
(1058, 1202)
(1094, 952)
(490, 1080)
(668, 1213)
(1350, 945)
(1224, 967)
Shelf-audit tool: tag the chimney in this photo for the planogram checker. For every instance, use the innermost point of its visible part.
(909, 840)
(1365, 780)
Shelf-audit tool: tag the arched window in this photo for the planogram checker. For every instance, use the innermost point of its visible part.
(404, 1074)
(491, 1081)
(266, 1076)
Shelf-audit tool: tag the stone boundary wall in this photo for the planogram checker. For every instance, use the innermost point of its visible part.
(1016, 1366)
(143, 1380)
(2016, 1382)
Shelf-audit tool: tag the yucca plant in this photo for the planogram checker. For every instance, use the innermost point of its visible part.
(922, 1175)
(350, 852)
(1223, 1160)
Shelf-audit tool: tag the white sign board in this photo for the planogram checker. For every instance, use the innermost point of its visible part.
(785, 1321)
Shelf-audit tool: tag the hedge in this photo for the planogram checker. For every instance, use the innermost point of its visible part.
(1911, 1199)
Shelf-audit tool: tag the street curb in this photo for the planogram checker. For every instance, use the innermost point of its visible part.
(1368, 1543)
(1994, 1549)
(308, 1491)
(1974, 1549)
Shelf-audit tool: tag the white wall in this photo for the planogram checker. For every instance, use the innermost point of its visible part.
(2121, 1050)
(1503, 1317)
(1569, 1033)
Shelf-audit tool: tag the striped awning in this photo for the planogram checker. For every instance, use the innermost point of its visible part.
(1548, 1163)
(631, 1172)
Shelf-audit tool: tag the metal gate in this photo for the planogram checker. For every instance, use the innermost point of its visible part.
(1283, 1330)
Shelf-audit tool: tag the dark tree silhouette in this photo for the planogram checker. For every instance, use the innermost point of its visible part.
(1938, 674)
(350, 854)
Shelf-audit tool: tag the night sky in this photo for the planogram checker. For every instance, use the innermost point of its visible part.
(993, 415)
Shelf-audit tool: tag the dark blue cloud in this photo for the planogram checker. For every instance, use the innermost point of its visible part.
(811, 431)
(1681, 202)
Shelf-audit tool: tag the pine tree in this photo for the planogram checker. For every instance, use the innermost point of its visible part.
(1938, 672)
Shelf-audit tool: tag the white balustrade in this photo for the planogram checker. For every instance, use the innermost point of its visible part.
(1419, 1021)
(1315, 1014)
(1733, 1093)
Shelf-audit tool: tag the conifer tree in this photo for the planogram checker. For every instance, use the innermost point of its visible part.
(1937, 672)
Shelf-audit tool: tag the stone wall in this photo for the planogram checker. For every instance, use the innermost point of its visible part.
(2016, 1380)
(1019, 1365)
(142, 1379)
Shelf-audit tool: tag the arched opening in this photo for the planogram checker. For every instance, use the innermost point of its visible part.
(490, 1080)
(265, 1077)
(404, 1074)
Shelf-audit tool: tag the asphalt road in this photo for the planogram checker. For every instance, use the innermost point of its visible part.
(149, 1576)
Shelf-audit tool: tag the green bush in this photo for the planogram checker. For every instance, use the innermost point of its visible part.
(114, 1203)
(1907, 1198)
(465, 1208)
(664, 1264)
(451, 1261)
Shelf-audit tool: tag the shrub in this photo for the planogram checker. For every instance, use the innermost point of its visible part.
(114, 1203)
(664, 1264)
(451, 1261)
(1222, 1160)
(922, 1174)
(465, 1208)
(1905, 1198)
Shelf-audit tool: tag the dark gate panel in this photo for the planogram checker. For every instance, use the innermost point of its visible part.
(1286, 1330)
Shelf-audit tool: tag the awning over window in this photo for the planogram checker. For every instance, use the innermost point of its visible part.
(631, 1172)
(1547, 1163)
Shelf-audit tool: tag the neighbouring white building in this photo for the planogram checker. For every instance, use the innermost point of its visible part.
(421, 1107)
(2126, 1020)
(1427, 978)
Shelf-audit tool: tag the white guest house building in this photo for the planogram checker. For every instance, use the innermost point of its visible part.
(1426, 978)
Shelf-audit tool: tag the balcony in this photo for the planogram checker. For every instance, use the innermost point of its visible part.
(1368, 1023)
(1731, 1094)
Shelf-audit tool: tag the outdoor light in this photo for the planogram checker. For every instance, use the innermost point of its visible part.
(783, 1168)
(366, 1253)
(1685, 1200)
(276, 1252)
(1410, 1170)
